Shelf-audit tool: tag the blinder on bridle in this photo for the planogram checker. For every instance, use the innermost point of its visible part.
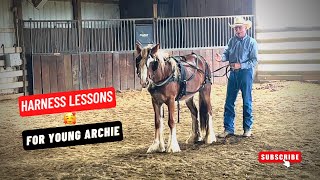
(155, 64)
(138, 60)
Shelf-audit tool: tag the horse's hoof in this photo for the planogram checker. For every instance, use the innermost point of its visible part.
(193, 139)
(210, 139)
(156, 147)
(173, 148)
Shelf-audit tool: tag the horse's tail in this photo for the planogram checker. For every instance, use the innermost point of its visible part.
(203, 111)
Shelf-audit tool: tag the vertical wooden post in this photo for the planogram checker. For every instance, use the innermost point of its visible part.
(155, 8)
(17, 15)
(17, 21)
(76, 7)
(155, 16)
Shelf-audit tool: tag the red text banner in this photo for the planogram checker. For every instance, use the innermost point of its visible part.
(70, 101)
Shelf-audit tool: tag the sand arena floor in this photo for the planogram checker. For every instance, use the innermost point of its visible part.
(287, 117)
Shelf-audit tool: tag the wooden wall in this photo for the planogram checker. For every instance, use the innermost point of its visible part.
(61, 73)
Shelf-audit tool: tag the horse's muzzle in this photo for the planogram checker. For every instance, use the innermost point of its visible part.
(144, 84)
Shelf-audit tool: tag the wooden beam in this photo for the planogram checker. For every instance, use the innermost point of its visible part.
(17, 15)
(7, 30)
(98, 1)
(10, 74)
(39, 3)
(11, 50)
(155, 8)
(12, 85)
(76, 7)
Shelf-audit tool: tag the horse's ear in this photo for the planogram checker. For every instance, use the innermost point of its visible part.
(138, 48)
(155, 49)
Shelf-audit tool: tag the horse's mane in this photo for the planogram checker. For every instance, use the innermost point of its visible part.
(163, 57)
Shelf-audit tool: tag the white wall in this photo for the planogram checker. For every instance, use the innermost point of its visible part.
(52, 10)
(7, 36)
(62, 10)
(99, 11)
(287, 13)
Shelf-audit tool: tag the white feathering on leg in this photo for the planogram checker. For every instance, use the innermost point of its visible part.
(210, 136)
(173, 145)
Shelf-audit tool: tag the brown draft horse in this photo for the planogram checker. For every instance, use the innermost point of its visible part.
(171, 79)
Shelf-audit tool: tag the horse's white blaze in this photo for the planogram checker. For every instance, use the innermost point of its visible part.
(144, 70)
(210, 136)
(173, 145)
(149, 60)
(144, 74)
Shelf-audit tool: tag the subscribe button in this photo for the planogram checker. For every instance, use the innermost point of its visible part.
(280, 156)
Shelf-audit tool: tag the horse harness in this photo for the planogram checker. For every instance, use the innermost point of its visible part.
(182, 78)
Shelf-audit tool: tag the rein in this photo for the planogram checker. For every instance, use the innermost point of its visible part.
(226, 72)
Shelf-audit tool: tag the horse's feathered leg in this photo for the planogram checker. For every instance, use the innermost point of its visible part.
(206, 120)
(158, 143)
(173, 145)
(195, 134)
